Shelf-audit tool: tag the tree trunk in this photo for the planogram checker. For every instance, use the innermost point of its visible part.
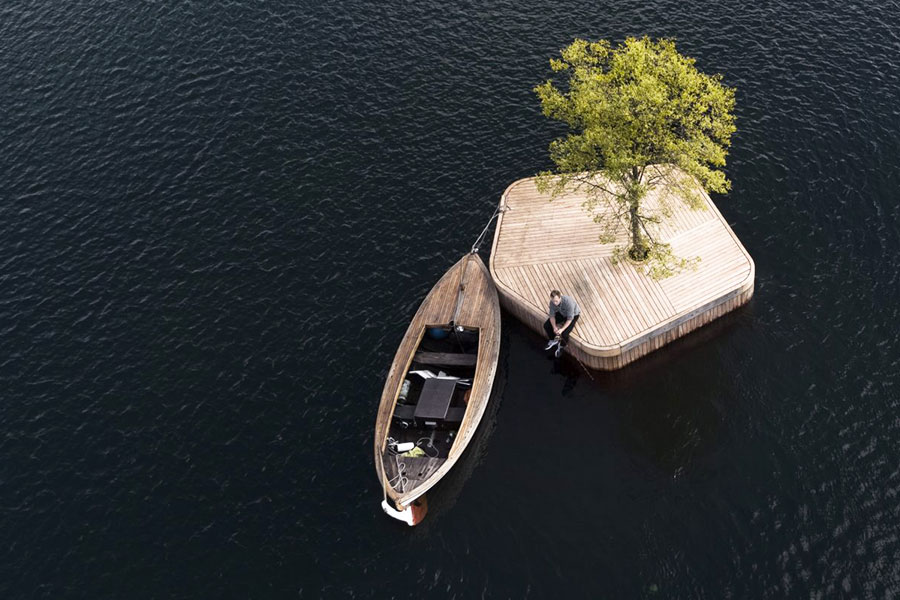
(638, 250)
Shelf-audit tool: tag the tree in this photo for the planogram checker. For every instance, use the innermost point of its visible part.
(633, 113)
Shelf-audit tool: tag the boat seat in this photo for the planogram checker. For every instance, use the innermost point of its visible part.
(449, 359)
(405, 412)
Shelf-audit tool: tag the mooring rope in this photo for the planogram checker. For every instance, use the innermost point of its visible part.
(401, 479)
(461, 287)
(484, 231)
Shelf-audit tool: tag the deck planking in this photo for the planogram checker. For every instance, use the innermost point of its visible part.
(541, 244)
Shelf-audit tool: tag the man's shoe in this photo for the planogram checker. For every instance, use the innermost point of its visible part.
(551, 343)
(559, 350)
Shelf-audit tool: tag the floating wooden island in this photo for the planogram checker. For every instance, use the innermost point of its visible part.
(540, 245)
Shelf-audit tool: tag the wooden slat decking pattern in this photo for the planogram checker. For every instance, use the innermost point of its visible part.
(479, 308)
(541, 244)
(418, 469)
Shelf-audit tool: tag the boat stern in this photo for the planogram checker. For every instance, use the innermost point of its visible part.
(412, 514)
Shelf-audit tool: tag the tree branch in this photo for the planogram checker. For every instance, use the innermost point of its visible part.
(644, 227)
(597, 186)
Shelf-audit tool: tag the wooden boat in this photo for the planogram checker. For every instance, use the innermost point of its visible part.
(438, 387)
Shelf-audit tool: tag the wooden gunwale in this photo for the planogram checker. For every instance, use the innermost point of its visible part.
(478, 309)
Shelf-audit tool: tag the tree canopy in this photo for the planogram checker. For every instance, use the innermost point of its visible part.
(633, 112)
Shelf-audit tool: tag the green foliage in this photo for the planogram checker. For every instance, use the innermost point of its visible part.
(634, 111)
(660, 261)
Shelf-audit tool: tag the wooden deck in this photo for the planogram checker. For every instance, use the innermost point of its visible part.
(541, 244)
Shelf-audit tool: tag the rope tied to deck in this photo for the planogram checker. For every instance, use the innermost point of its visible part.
(461, 286)
(480, 238)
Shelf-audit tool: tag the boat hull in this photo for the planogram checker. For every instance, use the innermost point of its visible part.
(466, 297)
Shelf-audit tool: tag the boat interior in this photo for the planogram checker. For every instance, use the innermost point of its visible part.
(431, 405)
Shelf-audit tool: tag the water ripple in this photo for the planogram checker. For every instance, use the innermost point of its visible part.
(217, 218)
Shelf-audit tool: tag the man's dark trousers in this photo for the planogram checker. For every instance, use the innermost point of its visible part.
(560, 319)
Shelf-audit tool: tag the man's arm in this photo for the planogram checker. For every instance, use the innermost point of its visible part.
(557, 329)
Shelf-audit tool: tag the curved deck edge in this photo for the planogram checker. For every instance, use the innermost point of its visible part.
(609, 357)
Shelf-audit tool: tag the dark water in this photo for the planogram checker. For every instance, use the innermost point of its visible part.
(217, 218)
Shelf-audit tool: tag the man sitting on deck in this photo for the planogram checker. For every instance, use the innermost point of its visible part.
(564, 313)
